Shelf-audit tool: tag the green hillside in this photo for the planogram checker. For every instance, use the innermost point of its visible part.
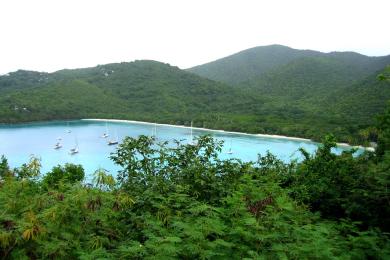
(252, 63)
(360, 101)
(141, 90)
(324, 95)
(60, 100)
(307, 97)
(304, 92)
(249, 63)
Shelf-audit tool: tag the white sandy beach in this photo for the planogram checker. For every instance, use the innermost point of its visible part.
(228, 132)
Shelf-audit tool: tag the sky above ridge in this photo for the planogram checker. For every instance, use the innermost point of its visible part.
(48, 35)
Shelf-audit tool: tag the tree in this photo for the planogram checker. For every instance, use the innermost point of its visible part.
(68, 174)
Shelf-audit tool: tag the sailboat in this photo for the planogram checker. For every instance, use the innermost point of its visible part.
(154, 132)
(58, 145)
(75, 149)
(113, 142)
(230, 149)
(105, 135)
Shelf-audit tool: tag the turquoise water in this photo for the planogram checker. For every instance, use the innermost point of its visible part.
(19, 142)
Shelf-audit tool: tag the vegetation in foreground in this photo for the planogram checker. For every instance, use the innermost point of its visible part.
(183, 202)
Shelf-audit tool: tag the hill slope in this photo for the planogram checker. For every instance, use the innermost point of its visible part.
(141, 90)
(306, 97)
(253, 63)
(306, 92)
(249, 63)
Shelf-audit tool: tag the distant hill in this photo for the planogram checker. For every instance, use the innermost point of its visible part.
(296, 93)
(140, 90)
(253, 63)
(306, 92)
(250, 63)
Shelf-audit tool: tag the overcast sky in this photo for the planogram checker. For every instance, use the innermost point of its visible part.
(48, 35)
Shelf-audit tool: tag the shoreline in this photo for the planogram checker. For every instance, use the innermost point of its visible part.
(371, 149)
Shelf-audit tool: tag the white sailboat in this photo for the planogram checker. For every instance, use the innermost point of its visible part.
(230, 149)
(105, 135)
(114, 142)
(58, 145)
(75, 149)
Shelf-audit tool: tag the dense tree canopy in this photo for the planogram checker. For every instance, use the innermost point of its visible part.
(300, 93)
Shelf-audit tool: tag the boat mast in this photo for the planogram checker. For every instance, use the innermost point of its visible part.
(191, 134)
(67, 126)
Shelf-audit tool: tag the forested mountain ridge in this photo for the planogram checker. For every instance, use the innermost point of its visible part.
(308, 92)
(142, 90)
(252, 63)
(307, 97)
(249, 63)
